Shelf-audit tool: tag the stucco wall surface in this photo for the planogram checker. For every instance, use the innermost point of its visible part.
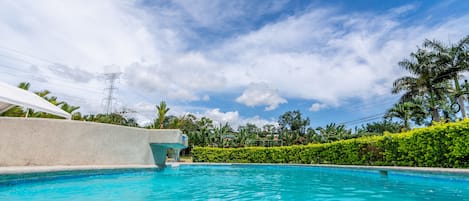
(46, 142)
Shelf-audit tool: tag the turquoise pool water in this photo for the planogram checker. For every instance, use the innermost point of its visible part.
(237, 182)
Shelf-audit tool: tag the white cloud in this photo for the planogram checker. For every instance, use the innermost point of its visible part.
(261, 94)
(258, 121)
(179, 78)
(317, 54)
(85, 35)
(222, 117)
(233, 118)
(330, 57)
(317, 106)
(75, 74)
(146, 112)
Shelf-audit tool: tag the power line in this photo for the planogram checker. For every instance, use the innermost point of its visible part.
(361, 107)
(49, 80)
(364, 119)
(33, 64)
(17, 59)
(27, 55)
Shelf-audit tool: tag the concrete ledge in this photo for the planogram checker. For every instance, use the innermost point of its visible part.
(53, 142)
(172, 138)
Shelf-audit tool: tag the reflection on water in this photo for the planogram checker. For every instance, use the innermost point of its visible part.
(242, 182)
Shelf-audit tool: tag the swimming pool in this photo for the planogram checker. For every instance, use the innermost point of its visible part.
(237, 182)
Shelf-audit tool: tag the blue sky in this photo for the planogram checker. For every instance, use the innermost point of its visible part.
(233, 61)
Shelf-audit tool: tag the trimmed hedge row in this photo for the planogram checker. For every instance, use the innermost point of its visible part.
(441, 145)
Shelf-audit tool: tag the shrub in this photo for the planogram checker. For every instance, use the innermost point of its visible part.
(441, 145)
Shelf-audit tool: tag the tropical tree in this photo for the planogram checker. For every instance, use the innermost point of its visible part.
(251, 128)
(454, 60)
(268, 130)
(43, 93)
(332, 132)
(421, 82)
(312, 136)
(288, 137)
(219, 134)
(401, 111)
(162, 109)
(68, 108)
(292, 121)
(244, 137)
(113, 118)
(203, 133)
(406, 111)
(379, 127)
(205, 123)
(197, 138)
(186, 123)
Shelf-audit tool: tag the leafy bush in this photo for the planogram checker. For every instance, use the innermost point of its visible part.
(441, 145)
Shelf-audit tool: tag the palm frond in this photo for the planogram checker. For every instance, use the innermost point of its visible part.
(434, 44)
(403, 83)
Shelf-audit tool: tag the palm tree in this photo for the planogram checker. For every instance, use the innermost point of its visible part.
(43, 93)
(333, 132)
(68, 108)
(288, 137)
(218, 133)
(242, 137)
(454, 61)
(406, 111)
(53, 100)
(401, 111)
(422, 81)
(162, 110)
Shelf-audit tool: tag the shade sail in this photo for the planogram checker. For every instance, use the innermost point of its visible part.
(11, 96)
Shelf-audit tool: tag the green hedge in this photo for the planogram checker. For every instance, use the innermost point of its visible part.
(442, 145)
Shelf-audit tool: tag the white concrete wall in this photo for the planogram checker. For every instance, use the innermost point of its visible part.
(47, 142)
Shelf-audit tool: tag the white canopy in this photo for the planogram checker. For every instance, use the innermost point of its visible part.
(11, 96)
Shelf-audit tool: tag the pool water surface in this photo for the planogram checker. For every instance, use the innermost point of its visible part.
(241, 182)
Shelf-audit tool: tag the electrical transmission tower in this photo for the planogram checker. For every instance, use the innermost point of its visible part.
(111, 81)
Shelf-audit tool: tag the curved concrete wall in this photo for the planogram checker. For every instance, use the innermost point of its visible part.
(49, 142)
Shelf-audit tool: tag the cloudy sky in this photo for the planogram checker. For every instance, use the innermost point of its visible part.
(233, 61)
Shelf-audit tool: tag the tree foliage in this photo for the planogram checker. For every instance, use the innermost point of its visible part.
(162, 109)
(442, 145)
(434, 81)
(430, 92)
(293, 121)
(379, 128)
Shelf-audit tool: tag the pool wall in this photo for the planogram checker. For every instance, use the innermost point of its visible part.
(51, 142)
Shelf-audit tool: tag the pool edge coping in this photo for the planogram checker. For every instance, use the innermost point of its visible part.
(8, 170)
(379, 168)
